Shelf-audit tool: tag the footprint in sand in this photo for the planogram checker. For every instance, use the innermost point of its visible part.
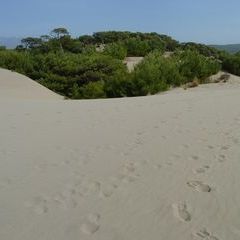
(225, 148)
(222, 158)
(204, 234)
(87, 187)
(91, 224)
(199, 186)
(201, 169)
(66, 199)
(181, 212)
(138, 141)
(186, 146)
(38, 205)
(129, 172)
(107, 190)
(194, 157)
(210, 147)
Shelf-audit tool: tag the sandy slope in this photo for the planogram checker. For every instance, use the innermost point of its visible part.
(132, 62)
(16, 86)
(160, 167)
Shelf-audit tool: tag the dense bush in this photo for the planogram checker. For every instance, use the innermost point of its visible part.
(67, 72)
(157, 73)
(92, 90)
(232, 64)
(194, 65)
(116, 50)
(74, 68)
(119, 85)
(201, 49)
(154, 74)
(137, 44)
(19, 62)
(140, 48)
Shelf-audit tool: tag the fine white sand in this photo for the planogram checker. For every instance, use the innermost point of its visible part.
(16, 86)
(160, 167)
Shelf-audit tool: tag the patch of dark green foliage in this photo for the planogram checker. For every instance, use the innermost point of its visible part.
(76, 68)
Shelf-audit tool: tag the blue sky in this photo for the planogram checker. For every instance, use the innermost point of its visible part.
(207, 21)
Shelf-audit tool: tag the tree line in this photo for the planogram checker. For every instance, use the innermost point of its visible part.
(91, 66)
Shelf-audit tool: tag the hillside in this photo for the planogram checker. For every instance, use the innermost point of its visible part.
(231, 48)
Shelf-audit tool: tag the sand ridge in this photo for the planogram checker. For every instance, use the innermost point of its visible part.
(17, 86)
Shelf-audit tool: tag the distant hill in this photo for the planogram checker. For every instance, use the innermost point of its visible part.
(231, 48)
(9, 42)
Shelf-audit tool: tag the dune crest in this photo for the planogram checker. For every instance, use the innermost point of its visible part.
(17, 86)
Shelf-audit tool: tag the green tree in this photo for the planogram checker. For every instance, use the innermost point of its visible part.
(31, 42)
(58, 34)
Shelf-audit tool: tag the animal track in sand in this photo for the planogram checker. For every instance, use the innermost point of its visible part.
(181, 212)
(199, 186)
(204, 234)
(91, 224)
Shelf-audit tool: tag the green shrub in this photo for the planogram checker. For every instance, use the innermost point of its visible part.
(119, 85)
(137, 47)
(194, 65)
(92, 90)
(231, 63)
(155, 74)
(19, 62)
(67, 70)
(116, 50)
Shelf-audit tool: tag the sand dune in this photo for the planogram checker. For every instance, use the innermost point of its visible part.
(16, 86)
(158, 167)
(132, 62)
